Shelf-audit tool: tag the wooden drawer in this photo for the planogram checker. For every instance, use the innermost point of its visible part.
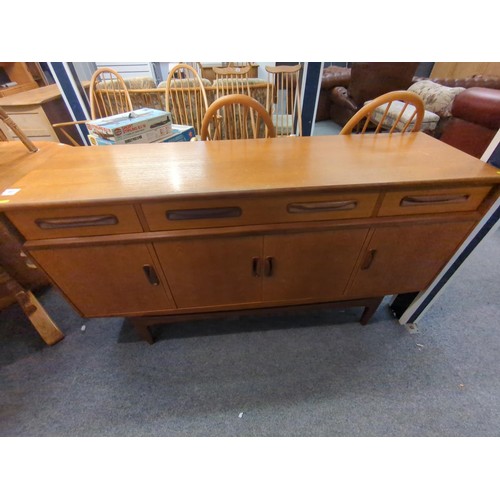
(33, 122)
(76, 221)
(33, 118)
(221, 212)
(418, 201)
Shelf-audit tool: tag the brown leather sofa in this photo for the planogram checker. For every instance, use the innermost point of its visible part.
(483, 81)
(474, 122)
(367, 80)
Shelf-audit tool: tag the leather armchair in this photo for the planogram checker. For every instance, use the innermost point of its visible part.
(333, 76)
(367, 81)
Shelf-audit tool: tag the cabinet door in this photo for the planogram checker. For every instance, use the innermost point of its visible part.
(106, 280)
(406, 258)
(212, 271)
(312, 265)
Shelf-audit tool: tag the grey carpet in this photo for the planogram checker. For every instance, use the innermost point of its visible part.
(306, 374)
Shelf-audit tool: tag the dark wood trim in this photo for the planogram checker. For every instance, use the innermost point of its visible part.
(143, 324)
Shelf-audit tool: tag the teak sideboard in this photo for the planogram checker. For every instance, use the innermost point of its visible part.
(158, 231)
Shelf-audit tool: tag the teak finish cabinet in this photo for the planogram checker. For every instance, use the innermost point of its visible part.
(160, 231)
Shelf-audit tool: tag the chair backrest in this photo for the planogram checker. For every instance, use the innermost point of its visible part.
(108, 94)
(283, 99)
(185, 96)
(399, 111)
(236, 116)
(232, 80)
(236, 64)
(13, 126)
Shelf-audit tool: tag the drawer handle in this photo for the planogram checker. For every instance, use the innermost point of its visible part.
(83, 221)
(203, 213)
(151, 275)
(411, 201)
(321, 206)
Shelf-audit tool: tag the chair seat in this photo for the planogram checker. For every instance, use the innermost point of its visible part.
(283, 124)
(429, 121)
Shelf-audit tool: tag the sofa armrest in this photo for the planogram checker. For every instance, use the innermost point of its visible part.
(478, 105)
(340, 97)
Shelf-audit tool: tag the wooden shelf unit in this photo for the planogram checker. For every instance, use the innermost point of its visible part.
(17, 72)
(34, 111)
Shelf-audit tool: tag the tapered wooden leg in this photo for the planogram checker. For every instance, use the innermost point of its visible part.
(143, 330)
(370, 310)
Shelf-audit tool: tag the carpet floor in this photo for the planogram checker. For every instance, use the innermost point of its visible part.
(301, 374)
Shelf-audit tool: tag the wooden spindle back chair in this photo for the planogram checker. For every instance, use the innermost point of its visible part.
(34, 311)
(284, 100)
(232, 80)
(406, 116)
(236, 116)
(185, 96)
(108, 95)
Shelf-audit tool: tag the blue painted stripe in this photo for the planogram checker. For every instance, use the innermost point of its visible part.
(70, 93)
(310, 95)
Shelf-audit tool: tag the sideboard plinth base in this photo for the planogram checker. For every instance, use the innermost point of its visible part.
(143, 324)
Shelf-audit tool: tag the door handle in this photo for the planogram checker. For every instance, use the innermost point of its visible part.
(368, 259)
(269, 266)
(151, 275)
(256, 264)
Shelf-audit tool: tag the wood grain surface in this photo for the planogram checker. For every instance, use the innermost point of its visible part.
(64, 175)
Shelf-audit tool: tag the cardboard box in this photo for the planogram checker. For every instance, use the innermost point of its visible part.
(179, 133)
(119, 128)
(156, 135)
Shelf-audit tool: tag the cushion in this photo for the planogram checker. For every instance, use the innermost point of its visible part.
(239, 81)
(437, 98)
(139, 82)
(185, 82)
(283, 124)
(429, 121)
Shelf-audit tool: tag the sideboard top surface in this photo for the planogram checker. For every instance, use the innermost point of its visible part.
(59, 175)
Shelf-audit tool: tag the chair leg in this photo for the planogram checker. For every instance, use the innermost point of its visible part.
(46, 328)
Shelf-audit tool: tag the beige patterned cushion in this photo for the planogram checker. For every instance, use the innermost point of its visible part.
(184, 82)
(437, 98)
(140, 82)
(429, 121)
(239, 81)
